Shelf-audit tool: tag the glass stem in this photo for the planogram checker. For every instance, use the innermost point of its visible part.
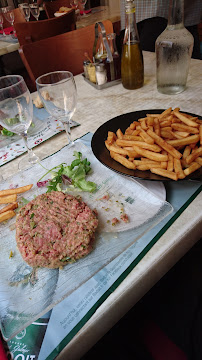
(68, 131)
(32, 157)
(14, 32)
(84, 14)
(3, 30)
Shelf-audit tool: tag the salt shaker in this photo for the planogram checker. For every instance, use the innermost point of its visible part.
(101, 74)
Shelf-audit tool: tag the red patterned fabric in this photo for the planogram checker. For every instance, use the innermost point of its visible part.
(7, 31)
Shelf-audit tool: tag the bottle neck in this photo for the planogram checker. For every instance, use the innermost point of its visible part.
(112, 43)
(176, 14)
(131, 32)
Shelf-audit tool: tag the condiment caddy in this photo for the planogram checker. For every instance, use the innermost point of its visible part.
(103, 86)
(105, 70)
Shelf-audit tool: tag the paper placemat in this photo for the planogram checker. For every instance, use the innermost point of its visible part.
(23, 302)
(72, 313)
(43, 128)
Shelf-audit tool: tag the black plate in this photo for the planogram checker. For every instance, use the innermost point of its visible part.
(123, 121)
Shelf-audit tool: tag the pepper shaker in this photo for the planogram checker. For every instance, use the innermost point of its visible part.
(85, 68)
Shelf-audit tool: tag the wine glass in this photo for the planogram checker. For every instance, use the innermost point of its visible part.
(16, 111)
(20, 7)
(1, 24)
(75, 5)
(35, 10)
(25, 10)
(9, 16)
(83, 3)
(58, 93)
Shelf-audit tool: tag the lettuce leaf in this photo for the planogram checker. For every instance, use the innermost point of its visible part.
(6, 132)
(76, 172)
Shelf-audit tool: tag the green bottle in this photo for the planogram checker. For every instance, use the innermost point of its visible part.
(132, 68)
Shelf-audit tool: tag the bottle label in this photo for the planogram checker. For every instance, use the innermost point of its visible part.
(130, 11)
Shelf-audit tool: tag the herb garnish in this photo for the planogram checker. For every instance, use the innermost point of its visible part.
(74, 173)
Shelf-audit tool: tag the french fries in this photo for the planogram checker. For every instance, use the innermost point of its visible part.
(8, 199)
(7, 215)
(200, 134)
(166, 173)
(122, 160)
(15, 191)
(185, 119)
(9, 196)
(12, 206)
(167, 144)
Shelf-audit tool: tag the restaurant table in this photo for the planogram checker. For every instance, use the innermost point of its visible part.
(100, 13)
(8, 47)
(94, 108)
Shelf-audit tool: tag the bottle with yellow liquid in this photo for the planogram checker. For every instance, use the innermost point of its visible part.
(132, 67)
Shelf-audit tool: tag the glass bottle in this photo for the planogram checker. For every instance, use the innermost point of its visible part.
(116, 57)
(173, 52)
(101, 53)
(132, 68)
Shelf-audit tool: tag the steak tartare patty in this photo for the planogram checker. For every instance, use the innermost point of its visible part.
(55, 229)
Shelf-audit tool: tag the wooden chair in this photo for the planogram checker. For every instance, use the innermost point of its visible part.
(51, 7)
(62, 52)
(30, 32)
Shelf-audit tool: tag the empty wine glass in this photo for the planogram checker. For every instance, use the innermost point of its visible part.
(1, 24)
(20, 7)
(35, 10)
(75, 5)
(58, 93)
(9, 16)
(83, 3)
(26, 10)
(16, 112)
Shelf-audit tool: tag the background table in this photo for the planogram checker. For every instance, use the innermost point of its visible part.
(93, 109)
(8, 47)
(99, 13)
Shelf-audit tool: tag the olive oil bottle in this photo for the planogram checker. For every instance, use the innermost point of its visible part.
(132, 67)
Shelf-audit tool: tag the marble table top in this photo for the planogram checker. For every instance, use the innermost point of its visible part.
(94, 107)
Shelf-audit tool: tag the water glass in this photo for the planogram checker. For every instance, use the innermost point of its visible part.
(57, 91)
(16, 111)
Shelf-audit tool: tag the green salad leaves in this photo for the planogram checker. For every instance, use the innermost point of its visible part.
(6, 132)
(74, 175)
(12, 121)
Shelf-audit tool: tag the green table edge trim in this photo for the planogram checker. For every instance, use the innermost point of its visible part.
(88, 315)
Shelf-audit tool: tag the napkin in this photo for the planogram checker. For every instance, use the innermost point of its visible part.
(85, 11)
(7, 31)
